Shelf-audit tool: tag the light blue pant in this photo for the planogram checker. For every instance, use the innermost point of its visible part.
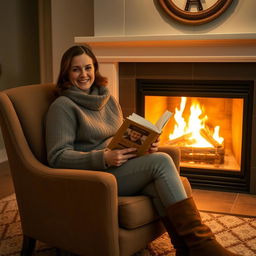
(154, 175)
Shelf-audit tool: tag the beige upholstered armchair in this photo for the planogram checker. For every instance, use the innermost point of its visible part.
(75, 210)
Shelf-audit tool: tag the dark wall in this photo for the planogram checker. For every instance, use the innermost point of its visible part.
(19, 44)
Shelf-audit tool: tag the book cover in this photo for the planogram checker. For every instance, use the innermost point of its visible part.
(137, 132)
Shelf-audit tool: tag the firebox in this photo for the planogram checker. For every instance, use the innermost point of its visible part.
(211, 125)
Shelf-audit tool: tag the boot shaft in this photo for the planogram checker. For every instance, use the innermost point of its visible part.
(198, 237)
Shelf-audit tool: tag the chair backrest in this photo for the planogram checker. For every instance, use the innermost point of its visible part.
(31, 103)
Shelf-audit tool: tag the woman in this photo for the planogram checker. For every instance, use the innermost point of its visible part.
(79, 125)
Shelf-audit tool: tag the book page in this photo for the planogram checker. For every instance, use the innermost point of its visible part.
(140, 120)
(159, 124)
(162, 121)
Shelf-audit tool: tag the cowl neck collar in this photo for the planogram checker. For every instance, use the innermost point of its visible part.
(94, 99)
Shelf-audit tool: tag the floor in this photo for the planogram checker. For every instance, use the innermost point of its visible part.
(206, 200)
(225, 202)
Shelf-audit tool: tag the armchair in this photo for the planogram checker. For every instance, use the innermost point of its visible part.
(75, 210)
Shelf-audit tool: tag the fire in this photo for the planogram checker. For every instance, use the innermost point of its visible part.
(216, 135)
(195, 130)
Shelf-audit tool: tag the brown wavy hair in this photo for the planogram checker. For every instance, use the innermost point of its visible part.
(63, 82)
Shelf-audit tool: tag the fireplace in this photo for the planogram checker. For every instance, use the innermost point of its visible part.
(191, 57)
(211, 126)
(224, 162)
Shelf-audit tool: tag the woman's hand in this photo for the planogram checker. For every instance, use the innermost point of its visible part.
(154, 146)
(118, 156)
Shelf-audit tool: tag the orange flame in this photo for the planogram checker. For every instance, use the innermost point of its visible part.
(193, 126)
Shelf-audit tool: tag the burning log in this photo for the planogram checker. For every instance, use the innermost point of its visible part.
(208, 155)
(207, 159)
(208, 150)
(182, 140)
(205, 155)
(205, 134)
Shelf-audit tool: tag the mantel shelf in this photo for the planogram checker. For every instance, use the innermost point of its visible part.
(169, 40)
(173, 48)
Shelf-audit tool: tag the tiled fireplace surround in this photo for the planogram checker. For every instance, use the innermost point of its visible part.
(124, 61)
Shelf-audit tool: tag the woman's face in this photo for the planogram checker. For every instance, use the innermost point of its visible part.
(82, 73)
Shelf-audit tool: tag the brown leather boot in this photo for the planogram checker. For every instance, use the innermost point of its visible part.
(176, 240)
(198, 237)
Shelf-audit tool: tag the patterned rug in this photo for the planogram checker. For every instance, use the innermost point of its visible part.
(236, 233)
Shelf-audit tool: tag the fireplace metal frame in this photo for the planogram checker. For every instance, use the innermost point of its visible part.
(205, 178)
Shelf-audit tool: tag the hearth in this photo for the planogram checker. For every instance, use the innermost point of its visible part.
(219, 113)
(224, 109)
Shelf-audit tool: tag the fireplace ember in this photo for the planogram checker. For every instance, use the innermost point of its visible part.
(202, 155)
(208, 155)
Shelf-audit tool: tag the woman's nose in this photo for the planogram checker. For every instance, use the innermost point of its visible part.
(83, 72)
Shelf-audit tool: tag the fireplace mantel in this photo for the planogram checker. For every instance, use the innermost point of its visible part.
(174, 48)
(111, 50)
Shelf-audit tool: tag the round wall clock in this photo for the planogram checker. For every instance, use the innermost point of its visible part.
(194, 11)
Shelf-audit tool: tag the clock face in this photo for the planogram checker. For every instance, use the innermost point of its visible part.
(194, 11)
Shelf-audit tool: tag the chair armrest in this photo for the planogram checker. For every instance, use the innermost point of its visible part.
(81, 204)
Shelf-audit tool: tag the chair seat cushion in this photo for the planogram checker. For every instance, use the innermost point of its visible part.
(136, 211)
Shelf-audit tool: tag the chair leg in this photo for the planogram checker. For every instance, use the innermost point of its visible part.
(28, 246)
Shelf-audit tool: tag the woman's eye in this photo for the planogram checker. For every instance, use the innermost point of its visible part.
(88, 68)
(75, 69)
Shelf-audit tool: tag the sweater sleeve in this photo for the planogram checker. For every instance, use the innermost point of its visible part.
(61, 127)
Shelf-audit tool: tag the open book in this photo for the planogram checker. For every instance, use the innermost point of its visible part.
(137, 132)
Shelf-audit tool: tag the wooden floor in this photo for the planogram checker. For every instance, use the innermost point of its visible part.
(215, 201)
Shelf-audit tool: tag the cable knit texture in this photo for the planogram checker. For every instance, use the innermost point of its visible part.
(79, 126)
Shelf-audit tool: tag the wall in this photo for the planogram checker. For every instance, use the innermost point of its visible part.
(19, 56)
(60, 22)
(69, 19)
(145, 17)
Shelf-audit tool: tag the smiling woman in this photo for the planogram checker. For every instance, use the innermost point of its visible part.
(81, 73)
(195, 12)
(79, 65)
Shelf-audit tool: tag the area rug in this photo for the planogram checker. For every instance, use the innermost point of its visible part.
(236, 233)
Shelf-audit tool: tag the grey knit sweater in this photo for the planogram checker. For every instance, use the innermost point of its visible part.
(79, 126)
